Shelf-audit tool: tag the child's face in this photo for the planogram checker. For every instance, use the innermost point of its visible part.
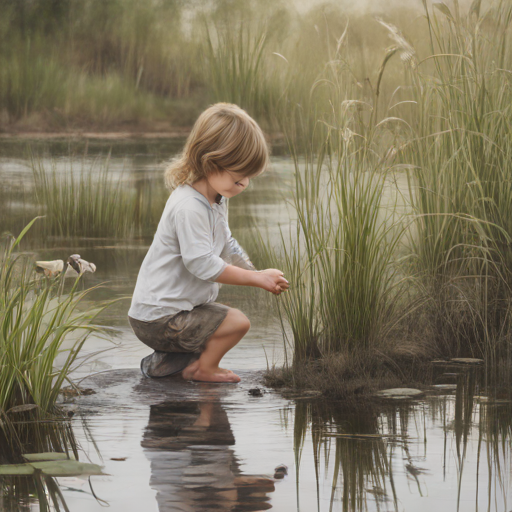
(227, 183)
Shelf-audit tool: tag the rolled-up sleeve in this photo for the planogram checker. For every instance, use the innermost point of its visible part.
(234, 254)
(196, 245)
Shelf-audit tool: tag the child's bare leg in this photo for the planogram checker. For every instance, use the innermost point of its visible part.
(230, 332)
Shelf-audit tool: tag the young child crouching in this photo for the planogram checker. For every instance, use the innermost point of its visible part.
(173, 309)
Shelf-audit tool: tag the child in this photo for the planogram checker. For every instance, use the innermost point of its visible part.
(173, 309)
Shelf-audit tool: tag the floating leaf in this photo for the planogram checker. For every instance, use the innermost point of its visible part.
(38, 457)
(16, 469)
(67, 468)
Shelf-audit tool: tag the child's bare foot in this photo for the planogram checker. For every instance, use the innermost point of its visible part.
(204, 376)
(210, 376)
(188, 372)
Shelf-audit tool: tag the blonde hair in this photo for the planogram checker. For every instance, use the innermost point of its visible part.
(224, 137)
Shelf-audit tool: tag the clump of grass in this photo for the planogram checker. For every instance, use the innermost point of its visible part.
(340, 254)
(461, 183)
(450, 129)
(92, 202)
(38, 322)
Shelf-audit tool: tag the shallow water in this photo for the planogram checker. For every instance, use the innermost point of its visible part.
(191, 447)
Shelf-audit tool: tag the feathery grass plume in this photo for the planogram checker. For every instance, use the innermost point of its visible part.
(38, 323)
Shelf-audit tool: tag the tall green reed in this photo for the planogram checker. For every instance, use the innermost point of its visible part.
(340, 254)
(461, 184)
(92, 201)
(236, 63)
(38, 323)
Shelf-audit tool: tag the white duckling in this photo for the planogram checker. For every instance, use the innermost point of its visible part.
(75, 266)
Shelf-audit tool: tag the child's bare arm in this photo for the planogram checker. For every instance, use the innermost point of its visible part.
(271, 279)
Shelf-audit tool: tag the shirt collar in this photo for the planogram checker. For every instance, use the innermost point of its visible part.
(200, 196)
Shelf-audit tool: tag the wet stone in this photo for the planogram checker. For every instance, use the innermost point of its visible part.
(280, 471)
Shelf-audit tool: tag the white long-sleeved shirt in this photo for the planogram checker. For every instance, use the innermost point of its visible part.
(191, 248)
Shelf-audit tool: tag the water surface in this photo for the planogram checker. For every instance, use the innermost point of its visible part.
(168, 445)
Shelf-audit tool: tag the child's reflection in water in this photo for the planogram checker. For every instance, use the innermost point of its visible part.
(192, 467)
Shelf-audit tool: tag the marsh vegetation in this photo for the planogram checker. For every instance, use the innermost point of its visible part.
(397, 238)
(428, 273)
(398, 248)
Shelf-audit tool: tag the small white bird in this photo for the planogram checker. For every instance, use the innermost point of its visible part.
(75, 266)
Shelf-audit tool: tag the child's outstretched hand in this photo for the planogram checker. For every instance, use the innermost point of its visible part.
(273, 281)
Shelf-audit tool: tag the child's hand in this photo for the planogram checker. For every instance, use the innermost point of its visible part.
(273, 281)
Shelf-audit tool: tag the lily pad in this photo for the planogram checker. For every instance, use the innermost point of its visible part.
(16, 469)
(38, 457)
(67, 468)
(399, 393)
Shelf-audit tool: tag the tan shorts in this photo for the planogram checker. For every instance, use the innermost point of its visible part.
(186, 331)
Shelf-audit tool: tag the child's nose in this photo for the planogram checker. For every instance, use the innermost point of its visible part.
(244, 182)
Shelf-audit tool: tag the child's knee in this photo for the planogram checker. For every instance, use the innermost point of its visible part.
(240, 322)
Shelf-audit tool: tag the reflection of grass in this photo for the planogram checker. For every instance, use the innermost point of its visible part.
(370, 450)
(360, 466)
(491, 448)
(93, 203)
(34, 438)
